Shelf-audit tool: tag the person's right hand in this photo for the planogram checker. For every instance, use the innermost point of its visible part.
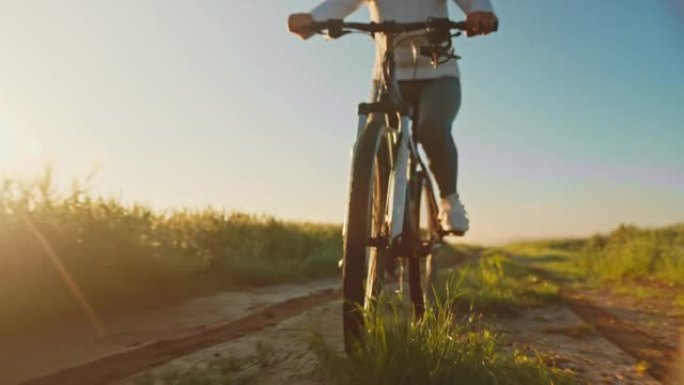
(299, 24)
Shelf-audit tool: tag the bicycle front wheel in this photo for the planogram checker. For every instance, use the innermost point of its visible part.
(365, 226)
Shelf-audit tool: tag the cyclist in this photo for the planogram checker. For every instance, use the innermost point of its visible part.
(434, 93)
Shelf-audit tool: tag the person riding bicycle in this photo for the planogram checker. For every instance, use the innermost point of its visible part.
(434, 93)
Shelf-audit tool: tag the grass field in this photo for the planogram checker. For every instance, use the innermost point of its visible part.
(121, 256)
(637, 262)
(628, 254)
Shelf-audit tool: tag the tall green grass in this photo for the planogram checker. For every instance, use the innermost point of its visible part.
(630, 252)
(438, 349)
(130, 255)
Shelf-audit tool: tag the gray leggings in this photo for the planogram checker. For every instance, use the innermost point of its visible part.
(435, 104)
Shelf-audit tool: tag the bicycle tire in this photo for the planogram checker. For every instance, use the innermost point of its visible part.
(365, 219)
(422, 269)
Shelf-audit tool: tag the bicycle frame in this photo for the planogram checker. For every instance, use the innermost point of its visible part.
(403, 148)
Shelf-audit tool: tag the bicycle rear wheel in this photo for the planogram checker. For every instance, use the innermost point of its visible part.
(423, 233)
(365, 228)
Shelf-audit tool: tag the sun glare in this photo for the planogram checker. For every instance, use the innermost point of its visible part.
(19, 153)
(7, 147)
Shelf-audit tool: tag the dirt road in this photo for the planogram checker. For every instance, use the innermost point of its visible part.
(35, 355)
(554, 330)
(237, 326)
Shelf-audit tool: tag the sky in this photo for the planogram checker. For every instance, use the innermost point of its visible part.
(572, 120)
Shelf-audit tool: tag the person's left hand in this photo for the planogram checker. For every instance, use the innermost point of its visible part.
(481, 23)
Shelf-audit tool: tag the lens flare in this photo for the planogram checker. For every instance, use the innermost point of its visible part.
(76, 292)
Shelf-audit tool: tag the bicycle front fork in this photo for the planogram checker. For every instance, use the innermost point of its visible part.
(398, 178)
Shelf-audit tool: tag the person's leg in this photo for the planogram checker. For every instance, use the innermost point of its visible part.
(438, 105)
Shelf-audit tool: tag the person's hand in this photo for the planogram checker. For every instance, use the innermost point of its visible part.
(299, 24)
(481, 23)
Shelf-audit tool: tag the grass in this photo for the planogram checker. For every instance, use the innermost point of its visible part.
(627, 254)
(632, 253)
(437, 349)
(557, 255)
(123, 256)
(643, 263)
(451, 254)
(496, 284)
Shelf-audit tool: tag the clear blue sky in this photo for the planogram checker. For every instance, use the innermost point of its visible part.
(573, 118)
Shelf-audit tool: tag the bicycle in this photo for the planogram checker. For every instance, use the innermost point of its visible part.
(391, 191)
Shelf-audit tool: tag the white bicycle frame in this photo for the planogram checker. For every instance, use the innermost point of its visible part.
(398, 179)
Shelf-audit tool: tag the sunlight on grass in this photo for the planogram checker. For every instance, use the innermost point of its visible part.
(558, 255)
(642, 263)
(632, 253)
(494, 283)
(123, 256)
(440, 348)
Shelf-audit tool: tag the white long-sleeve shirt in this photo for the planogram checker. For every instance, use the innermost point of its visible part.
(409, 63)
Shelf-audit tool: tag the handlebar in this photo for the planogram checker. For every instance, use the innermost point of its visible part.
(337, 28)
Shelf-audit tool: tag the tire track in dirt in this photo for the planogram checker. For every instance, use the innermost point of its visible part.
(122, 365)
(661, 358)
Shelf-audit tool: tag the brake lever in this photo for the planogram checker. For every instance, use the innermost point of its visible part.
(447, 58)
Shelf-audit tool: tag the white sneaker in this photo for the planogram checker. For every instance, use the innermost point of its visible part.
(452, 215)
